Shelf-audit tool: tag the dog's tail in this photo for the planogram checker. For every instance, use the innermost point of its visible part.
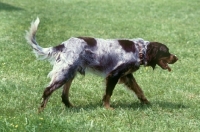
(41, 53)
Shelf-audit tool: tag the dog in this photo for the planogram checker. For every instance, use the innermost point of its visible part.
(116, 59)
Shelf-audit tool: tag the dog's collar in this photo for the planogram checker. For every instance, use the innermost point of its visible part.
(141, 45)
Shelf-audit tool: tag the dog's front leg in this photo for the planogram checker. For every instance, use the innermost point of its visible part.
(113, 77)
(131, 83)
(111, 81)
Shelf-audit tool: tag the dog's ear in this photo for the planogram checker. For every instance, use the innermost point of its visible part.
(163, 48)
(164, 51)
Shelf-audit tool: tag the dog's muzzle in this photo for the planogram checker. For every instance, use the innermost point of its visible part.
(173, 59)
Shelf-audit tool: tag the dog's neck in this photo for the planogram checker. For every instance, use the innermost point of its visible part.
(141, 45)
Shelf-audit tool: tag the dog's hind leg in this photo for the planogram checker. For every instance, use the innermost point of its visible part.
(131, 83)
(58, 79)
(48, 91)
(65, 94)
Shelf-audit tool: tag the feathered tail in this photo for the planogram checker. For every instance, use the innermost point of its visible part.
(41, 53)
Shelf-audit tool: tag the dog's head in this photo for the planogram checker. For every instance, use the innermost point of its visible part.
(159, 54)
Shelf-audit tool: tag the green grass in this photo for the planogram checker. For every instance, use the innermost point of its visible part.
(175, 96)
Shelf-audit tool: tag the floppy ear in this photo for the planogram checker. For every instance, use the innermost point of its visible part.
(162, 48)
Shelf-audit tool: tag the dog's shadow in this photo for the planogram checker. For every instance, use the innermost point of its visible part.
(170, 105)
(153, 104)
(8, 7)
(133, 106)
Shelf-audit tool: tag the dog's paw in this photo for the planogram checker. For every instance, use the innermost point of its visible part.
(145, 101)
(109, 108)
(40, 109)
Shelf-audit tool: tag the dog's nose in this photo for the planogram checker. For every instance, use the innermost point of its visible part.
(175, 58)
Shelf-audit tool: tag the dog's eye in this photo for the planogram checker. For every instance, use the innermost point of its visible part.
(166, 54)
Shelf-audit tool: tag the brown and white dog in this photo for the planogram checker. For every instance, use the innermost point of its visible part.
(116, 59)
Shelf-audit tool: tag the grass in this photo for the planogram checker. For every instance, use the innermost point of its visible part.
(174, 96)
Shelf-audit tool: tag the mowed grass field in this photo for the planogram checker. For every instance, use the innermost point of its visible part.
(174, 96)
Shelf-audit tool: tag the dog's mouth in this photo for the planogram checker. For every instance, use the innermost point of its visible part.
(164, 65)
(164, 62)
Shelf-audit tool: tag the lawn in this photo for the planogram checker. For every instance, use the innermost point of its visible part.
(174, 96)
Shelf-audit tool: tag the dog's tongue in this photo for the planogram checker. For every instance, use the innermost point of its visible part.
(169, 69)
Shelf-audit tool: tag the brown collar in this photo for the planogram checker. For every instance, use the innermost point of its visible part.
(141, 45)
(141, 56)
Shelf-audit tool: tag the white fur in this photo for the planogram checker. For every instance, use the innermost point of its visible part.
(41, 53)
